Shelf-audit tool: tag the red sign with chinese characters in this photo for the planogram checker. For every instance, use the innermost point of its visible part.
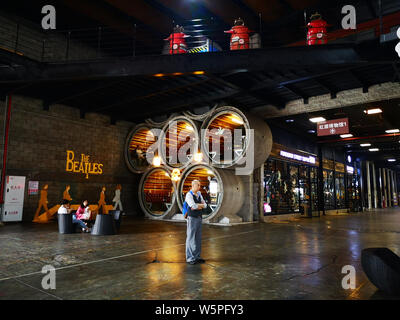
(333, 127)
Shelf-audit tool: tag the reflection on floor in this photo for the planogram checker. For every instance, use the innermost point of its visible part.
(301, 259)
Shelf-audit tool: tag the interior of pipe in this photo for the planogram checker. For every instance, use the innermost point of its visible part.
(221, 131)
(210, 188)
(141, 140)
(158, 192)
(177, 135)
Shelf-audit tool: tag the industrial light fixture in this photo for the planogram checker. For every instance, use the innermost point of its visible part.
(373, 111)
(236, 119)
(156, 161)
(343, 136)
(289, 120)
(311, 131)
(392, 160)
(189, 127)
(374, 150)
(176, 175)
(198, 157)
(392, 131)
(317, 119)
(365, 145)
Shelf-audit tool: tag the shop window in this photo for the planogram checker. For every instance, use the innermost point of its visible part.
(329, 190)
(287, 187)
(340, 191)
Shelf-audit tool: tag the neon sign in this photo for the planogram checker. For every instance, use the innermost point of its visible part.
(297, 157)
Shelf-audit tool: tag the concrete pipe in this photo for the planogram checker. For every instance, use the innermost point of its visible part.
(140, 146)
(221, 189)
(221, 127)
(179, 142)
(199, 114)
(161, 121)
(157, 194)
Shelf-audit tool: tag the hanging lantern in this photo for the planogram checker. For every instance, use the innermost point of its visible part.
(176, 175)
(157, 161)
(240, 38)
(317, 32)
(177, 42)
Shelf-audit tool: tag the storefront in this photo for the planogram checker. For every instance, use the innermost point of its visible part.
(290, 182)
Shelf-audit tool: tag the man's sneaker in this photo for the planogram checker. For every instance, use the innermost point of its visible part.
(192, 262)
(201, 261)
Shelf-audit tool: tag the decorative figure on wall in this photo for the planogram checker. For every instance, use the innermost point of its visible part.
(102, 201)
(117, 198)
(66, 195)
(42, 202)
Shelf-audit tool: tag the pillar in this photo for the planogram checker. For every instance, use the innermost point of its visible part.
(375, 193)
(368, 178)
(384, 188)
(389, 188)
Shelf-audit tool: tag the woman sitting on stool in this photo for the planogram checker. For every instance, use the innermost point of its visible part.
(83, 212)
(64, 209)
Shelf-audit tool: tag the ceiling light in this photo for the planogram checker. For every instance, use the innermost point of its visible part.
(366, 144)
(392, 160)
(349, 135)
(317, 119)
(374, 149)
(313, 131)
(373, 111)
(392, 131)
(289, 120)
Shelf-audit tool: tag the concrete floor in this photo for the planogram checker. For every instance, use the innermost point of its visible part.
(299, 259)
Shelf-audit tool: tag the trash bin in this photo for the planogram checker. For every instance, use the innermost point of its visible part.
(65, 224)
(117, 215)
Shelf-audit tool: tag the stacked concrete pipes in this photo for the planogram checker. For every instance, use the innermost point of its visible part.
(232, 188)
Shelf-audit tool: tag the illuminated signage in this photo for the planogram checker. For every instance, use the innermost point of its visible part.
(297, 157)
(83, 165)
(350, 169)
(333, 127)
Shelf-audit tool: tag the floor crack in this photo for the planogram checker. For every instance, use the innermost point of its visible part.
(314, 272)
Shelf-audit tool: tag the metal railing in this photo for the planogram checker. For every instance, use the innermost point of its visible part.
(202, 35)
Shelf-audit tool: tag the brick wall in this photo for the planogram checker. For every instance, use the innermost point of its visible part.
(38, 143)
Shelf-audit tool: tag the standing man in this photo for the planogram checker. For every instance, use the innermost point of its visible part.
(196, 204)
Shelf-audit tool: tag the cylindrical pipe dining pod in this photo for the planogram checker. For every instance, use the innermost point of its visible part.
(179, 142)
(221, 189)
(230, 138)
(157, 194)
(140, 147)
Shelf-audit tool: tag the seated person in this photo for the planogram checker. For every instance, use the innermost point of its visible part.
(65, 209)
(83, 212)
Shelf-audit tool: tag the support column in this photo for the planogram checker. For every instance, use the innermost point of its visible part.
(368, 178)
(388, 181)
(380, 181)
(375, 194)
(394, 195)
(321, 199)
(384, 188)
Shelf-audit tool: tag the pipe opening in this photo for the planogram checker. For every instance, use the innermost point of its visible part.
(158, 193)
